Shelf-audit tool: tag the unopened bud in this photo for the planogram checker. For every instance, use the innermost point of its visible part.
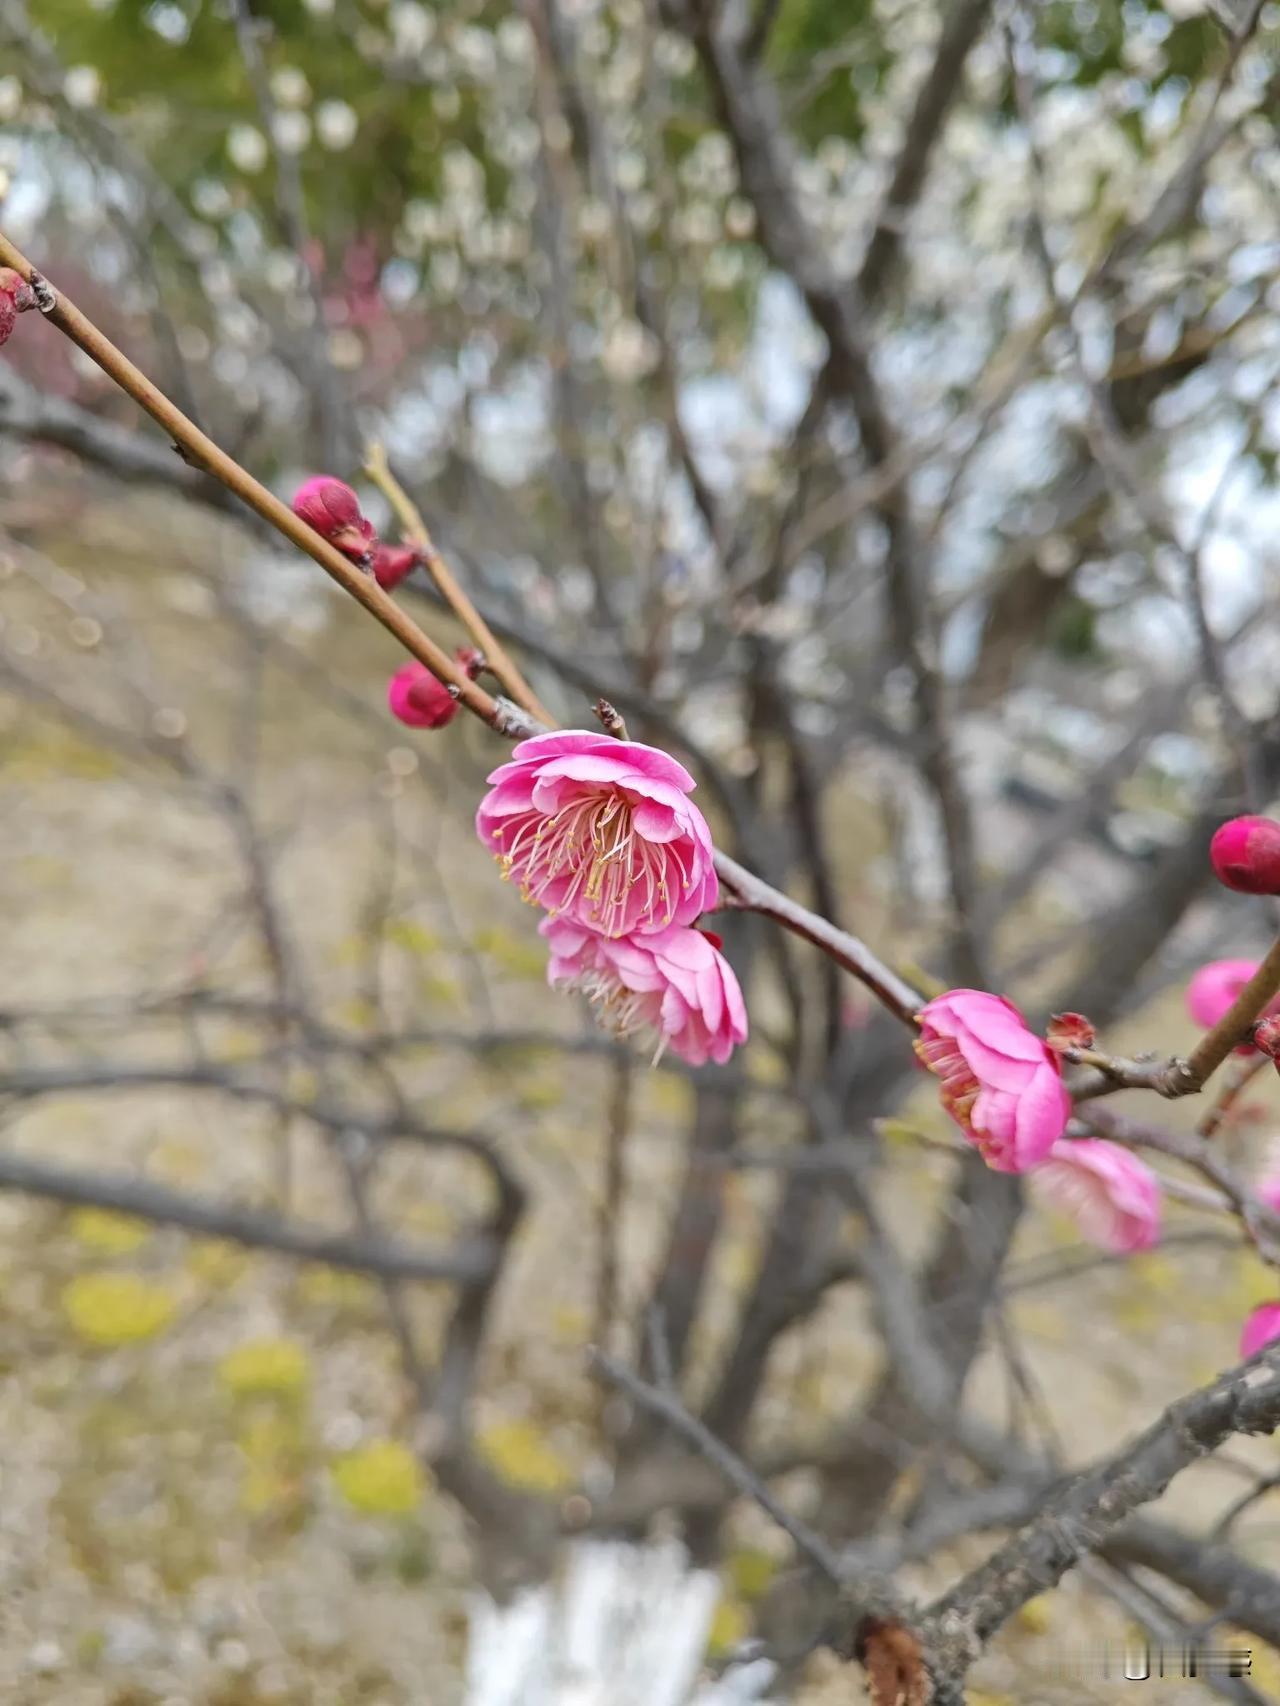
(15, 295)
(1068, 1031)
(394, 563)
(333, 509)
(1266, 1037)
(471, 661)
(1245, 854)
(419, 698)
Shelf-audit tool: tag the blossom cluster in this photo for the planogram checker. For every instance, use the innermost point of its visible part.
(1003, 1086)
(602, 834)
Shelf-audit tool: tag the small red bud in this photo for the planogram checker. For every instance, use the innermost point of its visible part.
(1266, 1036)
(1245, 854)
(1068, 1031)
(392, 563)
(419, 698)
(471, 660)
(333, 509)
(15, 295)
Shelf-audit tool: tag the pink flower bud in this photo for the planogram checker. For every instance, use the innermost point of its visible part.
(15, 295)
(333, 509)
(393, 563)
(1266, 1036)
(1261, 1327)
(1246, 855)
(420, 698)
(1069, 1030)
(472, 660)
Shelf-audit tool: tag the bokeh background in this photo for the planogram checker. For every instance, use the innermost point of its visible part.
(875, 401)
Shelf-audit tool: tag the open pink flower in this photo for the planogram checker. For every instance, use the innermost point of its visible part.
(1000, 1083)
(1112, 1196)
(420, 698)
(674, 982)
(1261, 1327)
(600, 830)
(1214, 988)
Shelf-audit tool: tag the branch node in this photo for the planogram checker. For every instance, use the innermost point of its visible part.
(512, 721)
(611, 719)
(46, 296)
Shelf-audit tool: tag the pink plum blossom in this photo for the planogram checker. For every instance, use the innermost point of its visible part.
(1112, 1196)
(1000, 1083)
(601, 831)
(419, 698)
(1260, 1329)
(674, 983)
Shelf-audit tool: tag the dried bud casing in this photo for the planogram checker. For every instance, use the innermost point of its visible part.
(1245, 853)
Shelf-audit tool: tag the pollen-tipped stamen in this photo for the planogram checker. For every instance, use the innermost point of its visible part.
(591, 841)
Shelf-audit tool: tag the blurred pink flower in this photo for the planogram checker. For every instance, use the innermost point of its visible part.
(601, 831)
(1000, 1083)
(1112, 1196)
(420, 698)
(1267, 1185)
(674, 982)
(1215, 987)
(1261, 1327)
(333, 509)
(393, 563)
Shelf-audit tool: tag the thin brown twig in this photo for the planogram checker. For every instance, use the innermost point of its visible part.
(200, 451)
(1242, 1074)
(415, 530)
(667, 1407)
(504, 715)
